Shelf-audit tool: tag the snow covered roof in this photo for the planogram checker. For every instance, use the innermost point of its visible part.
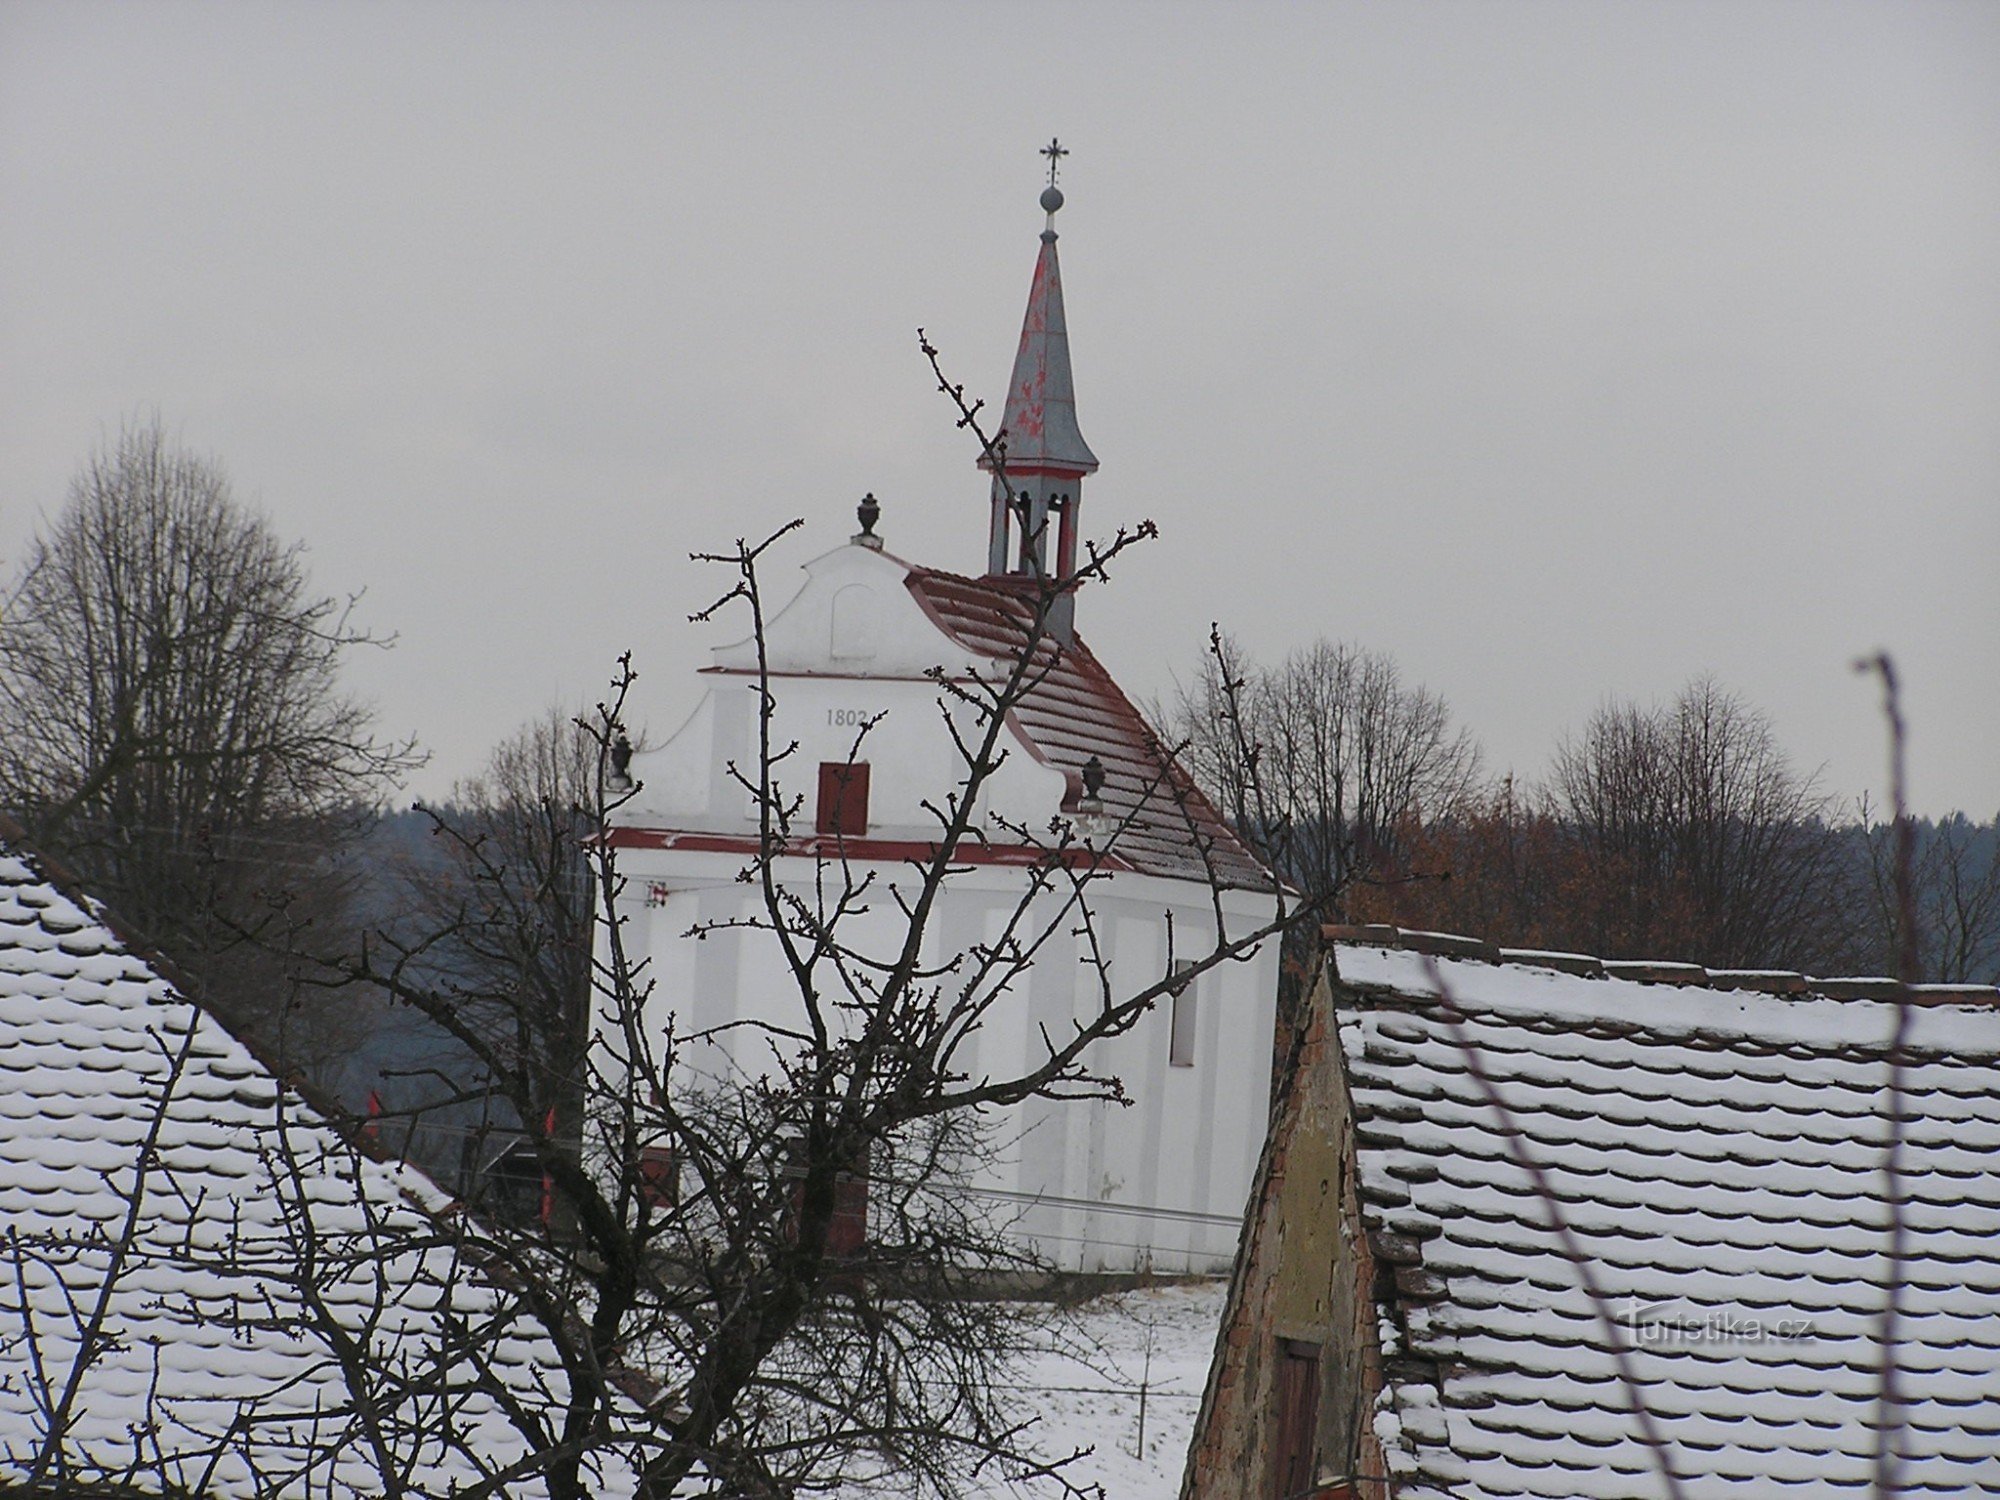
(1076, 711)
(206, 1287)
(1715, 1144)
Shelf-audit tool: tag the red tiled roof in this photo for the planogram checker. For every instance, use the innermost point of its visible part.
(1075, 711)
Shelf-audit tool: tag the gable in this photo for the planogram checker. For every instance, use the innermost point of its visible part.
(852, 617)
(865, 636)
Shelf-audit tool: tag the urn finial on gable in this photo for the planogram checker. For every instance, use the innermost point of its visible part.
(868, 512)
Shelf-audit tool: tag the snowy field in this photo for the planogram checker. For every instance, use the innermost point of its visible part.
(1160, 1338)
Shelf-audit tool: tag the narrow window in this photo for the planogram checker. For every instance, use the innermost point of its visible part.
(854, 622)
(1180, 1037)
(843, 798)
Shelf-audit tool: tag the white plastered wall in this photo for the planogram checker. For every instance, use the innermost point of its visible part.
(1150, 1185)
(1100, 1186)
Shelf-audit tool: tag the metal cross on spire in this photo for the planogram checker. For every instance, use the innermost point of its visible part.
(1055, 151)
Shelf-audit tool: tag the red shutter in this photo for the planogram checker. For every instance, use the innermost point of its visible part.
(848, 1231)
(659, 1176)
(843, 798)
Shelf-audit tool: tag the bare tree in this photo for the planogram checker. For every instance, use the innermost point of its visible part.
(519, 846)
(174, 726)
(1696, 838)
(697, 1234)
(703, 1319)
(1503, 868)
(501, 910)
(1347, 762)
(1954, 897)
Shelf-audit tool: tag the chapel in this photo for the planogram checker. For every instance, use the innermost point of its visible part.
(872, 668)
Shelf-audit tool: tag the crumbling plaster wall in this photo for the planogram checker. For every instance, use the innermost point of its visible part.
(1303, 1273)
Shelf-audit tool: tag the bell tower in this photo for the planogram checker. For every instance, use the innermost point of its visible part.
(1044, 452)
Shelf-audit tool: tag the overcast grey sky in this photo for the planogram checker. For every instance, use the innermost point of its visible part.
(1560, 350)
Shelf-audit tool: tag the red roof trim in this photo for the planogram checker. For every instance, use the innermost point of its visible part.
(833, 676)
(815, 846)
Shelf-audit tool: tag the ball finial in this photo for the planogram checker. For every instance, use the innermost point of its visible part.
(1052, 198)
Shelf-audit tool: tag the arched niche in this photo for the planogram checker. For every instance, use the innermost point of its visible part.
(854, 622)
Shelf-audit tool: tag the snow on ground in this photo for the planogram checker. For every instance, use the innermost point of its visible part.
(1161, 1337)
(1082, 1392)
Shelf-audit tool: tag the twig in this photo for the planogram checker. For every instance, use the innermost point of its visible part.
(1889, 1399)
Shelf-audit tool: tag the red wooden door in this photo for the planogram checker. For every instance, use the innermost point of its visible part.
(843, 799)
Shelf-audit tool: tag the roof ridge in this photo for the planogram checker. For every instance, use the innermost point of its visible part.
(1654, 971)
(1013, 582)
(1017, 587)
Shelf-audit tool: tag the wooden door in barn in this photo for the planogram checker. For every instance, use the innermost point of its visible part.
(1296, 1425)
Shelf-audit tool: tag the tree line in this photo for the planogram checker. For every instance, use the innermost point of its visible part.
(1679, 831)
(176, 730)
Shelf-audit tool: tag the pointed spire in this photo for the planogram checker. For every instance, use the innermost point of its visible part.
(1040, 416)
(1046, 455)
